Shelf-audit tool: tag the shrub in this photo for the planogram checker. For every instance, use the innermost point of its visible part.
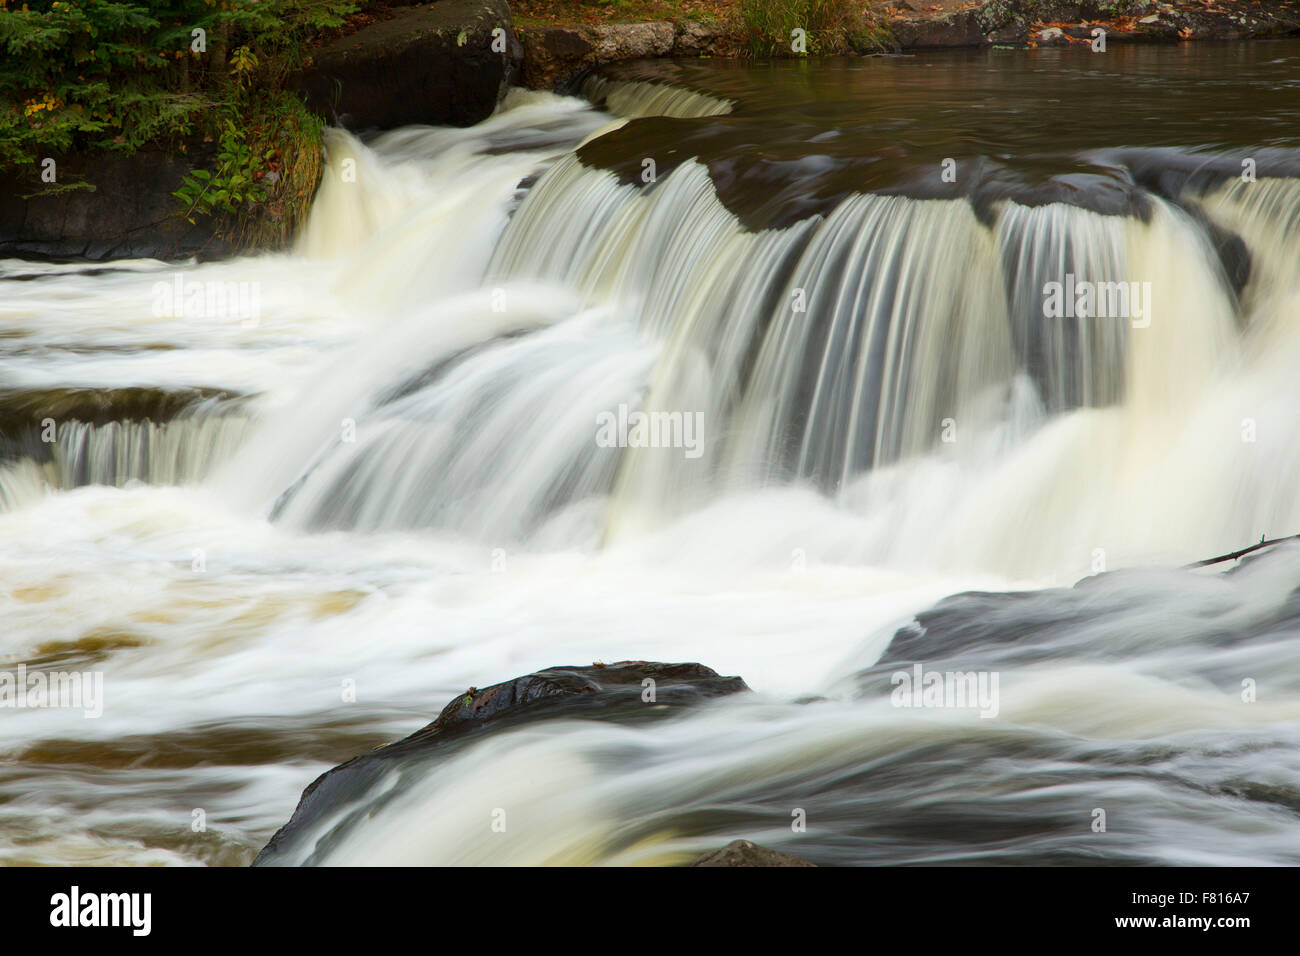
(118, 74)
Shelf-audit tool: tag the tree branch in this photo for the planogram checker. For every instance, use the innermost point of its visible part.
(1237, 554)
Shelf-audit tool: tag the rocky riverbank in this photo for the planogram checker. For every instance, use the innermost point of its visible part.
(555, 54)
(1046, 23)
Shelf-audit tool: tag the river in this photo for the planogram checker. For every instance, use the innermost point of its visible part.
(288, 525)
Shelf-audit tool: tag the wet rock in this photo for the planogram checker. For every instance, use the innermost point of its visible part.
(610, 683)
(979, 630)
(449, 63)
(619, 692)
(744, 853)
(1052, 36)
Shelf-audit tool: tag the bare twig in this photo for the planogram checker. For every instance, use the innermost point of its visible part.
(1263, 543)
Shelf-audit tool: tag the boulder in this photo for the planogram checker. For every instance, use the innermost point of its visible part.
(610, 692)
(449, 63)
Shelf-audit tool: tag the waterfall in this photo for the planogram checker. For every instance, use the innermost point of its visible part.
(641, 98)
(1074, 361)
(71, 453)
(1266, 214)
(891, 337)
(513, 402)
(893, 353)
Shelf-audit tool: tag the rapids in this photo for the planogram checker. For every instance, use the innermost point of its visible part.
(288, 540)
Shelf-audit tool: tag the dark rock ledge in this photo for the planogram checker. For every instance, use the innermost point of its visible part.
(614, 692)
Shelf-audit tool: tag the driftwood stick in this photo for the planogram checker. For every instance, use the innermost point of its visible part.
(1263, 543)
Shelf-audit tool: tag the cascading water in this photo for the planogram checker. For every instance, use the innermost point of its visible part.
(393, 478)
(814, 354)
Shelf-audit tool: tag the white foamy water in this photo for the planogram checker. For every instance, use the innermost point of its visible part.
(392, 490)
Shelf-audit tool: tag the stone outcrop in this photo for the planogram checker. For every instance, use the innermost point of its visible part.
(553, 56)
(130, 212)
(448, 63)
(626, 691)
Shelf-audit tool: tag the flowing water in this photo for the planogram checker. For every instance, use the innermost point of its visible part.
(286, 534)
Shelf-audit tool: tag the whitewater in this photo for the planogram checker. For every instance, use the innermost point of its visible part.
(307, 533)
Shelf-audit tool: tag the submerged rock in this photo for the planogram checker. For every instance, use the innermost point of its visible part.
(625, 691)
(744, 853)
